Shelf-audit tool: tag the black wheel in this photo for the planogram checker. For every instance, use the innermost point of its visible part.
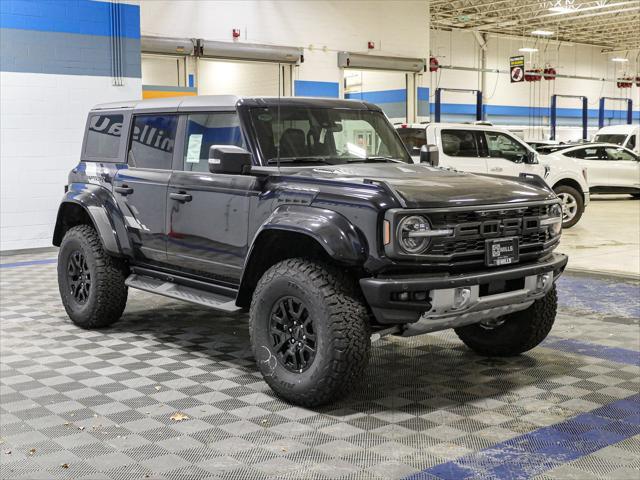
(309, 332)
(91, 282)
(572, 205)
(515, 333)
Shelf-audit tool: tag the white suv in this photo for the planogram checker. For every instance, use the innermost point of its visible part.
(495, 151)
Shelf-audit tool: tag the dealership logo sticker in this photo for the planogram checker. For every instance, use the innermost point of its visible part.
(516, 65)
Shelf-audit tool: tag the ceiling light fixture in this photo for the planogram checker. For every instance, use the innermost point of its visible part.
(619, 59)
(542, 33)
(527, 49)
(560, 9)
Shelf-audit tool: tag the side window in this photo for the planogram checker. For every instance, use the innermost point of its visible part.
(204, 130)
(591, 153)
(459, 143)
(613, 153)
(152, 141)
(631, 143)
(501, 145)
(103, 136)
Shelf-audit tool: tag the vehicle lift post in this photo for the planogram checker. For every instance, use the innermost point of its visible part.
(438, 102)
(553, 114)
(621, 99)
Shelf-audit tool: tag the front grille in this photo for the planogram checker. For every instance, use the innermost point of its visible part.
(473, 227)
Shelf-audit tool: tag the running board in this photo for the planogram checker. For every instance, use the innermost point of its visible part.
(181, 292)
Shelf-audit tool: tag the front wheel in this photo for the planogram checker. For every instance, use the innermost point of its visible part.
(91, 282)
(515, 333)
(572, 205)
(309, 332)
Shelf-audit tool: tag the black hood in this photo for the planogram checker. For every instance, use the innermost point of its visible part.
(422, 186)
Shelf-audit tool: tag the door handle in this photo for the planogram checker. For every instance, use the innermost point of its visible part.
(124, 190)
(181, 197)
(496, 169)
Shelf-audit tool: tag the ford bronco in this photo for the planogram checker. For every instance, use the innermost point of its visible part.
(310, 215)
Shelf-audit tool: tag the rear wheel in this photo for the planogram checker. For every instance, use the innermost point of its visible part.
(572, 205)
(91, 282)
(515, 333)
(309, 332)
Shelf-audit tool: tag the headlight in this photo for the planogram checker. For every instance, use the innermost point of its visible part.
(413, 234)
(553, 220)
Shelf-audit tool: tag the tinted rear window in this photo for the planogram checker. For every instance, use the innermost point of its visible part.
(103, 136)
(610, 138)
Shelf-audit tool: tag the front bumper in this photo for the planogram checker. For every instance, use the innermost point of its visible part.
(522, 285)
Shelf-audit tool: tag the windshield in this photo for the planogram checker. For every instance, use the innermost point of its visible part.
(325, 135)
(616, 138)
(413, 138)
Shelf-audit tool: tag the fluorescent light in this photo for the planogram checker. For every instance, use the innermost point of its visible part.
(543, 33)
(619, 59)
(527, 49)
(561, 9)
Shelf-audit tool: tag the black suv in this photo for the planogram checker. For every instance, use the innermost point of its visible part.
(310, 214)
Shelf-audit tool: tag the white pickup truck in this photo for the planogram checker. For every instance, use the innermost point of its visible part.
(495, 151)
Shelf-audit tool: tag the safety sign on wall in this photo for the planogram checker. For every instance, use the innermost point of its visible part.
(516, 65)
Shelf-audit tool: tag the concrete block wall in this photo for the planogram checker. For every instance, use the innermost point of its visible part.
(55, 64)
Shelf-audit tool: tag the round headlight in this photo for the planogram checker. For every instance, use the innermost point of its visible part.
(555, 211)
(411, 232)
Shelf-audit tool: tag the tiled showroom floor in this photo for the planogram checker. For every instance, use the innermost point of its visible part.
(102, 404)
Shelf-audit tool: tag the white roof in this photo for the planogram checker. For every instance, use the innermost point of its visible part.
(621, 129)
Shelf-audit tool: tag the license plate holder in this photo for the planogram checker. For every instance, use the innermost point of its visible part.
(502, 251)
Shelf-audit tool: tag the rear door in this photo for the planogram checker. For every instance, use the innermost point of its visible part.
(208, 214)
(460, 149)
(507, 156)
(624, 167)
(141, 189)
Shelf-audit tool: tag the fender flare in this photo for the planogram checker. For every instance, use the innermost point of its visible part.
(333, 232)
(103, 211)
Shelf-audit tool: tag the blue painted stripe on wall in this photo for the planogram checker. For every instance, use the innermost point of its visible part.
(380, 96)
(162, 88)
(519, 111)
(65, 53)
(310, 88)
(535, 452)
(85, 17)
(423, 94)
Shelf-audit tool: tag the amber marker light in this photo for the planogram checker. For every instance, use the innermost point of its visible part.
(386, 233)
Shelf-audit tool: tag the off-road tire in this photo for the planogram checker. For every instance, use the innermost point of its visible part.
(520, 332)
(340, 319)
(107, 295)
(579, 200)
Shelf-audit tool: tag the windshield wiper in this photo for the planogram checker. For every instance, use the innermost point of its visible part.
(375, 159)
(274, 161)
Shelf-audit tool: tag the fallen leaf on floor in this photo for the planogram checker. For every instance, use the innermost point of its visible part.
(264, 421)
(65, 465)
(8, 452)
(80, 428)
(157, 387)
(179, 416)
(32, 451)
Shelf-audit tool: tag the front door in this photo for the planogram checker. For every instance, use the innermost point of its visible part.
(507, 156)
(460, 149)
(141, 189)
(624, 167)
(208, 214)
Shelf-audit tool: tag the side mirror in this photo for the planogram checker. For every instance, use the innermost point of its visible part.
(229, 159)
(531, 158)
(430, 154)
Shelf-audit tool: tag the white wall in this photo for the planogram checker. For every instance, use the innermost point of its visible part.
(43, 118)
(321, 27)
(461, 49)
